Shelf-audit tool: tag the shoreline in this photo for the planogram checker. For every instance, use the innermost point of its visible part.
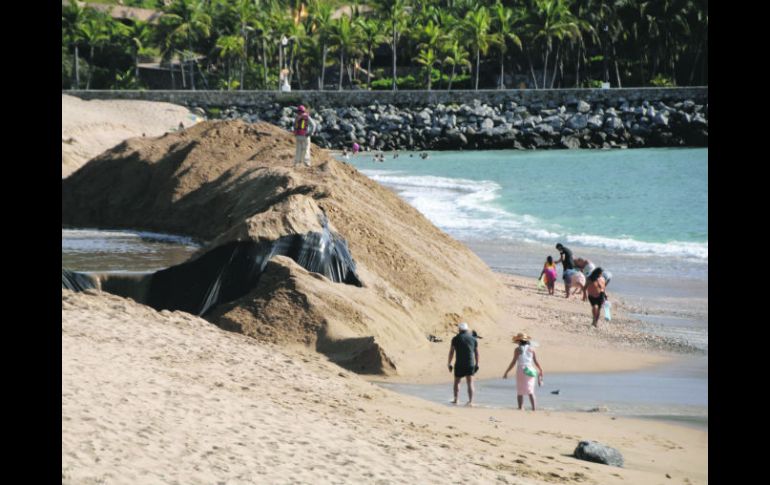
(561, 327)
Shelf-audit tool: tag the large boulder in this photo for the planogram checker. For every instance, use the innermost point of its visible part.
(598, 453)
(265, 226)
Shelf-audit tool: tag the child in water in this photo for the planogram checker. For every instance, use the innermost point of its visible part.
(549, 270)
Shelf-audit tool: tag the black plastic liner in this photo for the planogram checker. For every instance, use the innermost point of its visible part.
(75, 281)
(232, 270)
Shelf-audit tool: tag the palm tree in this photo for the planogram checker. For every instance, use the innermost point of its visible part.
(395, 19)
(345, 36)
(427, 58)
(187, 19)
(230, 46)
(505, 20)
(246, 11)
(139, 34)
(551, 20)
(321, 14)
(95, 35)
(296, 36)
(668, 23)
(73, 20)
(372, 35)
(456, 55)
(475, 28)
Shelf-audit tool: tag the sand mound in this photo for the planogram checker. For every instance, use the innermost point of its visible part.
(231, 181)
(90, 127)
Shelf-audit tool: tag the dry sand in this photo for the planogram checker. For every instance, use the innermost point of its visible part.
(91, 127)
(162, 397)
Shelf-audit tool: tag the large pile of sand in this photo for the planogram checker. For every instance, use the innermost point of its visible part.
(231, 181)
(90, 127)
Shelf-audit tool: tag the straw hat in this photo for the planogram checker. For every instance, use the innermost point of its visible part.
(521, 336)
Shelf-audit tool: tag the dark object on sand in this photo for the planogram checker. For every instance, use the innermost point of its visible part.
(476, 335)
(556, 391)
(76, 281)
(231, 270)
(433, 338)
(598, 453)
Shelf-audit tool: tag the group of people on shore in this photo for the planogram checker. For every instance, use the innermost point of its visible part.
(465, 349)
(579, 274)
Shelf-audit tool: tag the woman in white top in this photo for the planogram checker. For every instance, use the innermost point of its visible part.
(525, 372)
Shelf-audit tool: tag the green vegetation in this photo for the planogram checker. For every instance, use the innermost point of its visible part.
(390, 44)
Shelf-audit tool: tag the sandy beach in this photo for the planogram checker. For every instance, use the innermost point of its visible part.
(167, 397)
(90, 127)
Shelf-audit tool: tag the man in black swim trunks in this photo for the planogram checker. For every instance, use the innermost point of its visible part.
(467, 362)
(568, 263)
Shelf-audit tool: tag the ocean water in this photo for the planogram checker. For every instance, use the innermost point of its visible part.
(643, 201)
(642, 214)
(95, 250)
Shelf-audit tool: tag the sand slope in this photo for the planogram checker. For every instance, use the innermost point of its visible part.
(233, 181)
(161, 397)
(90, 127)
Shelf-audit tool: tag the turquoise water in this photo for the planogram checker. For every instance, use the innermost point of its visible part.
(643, 201)
(642, 214)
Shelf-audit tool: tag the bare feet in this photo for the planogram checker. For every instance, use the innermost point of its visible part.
(453, 402)
(469, 404)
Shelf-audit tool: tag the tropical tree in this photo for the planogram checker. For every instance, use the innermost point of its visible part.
(74, 18)
(456, 55)
(230, 47)
(505, 21)
(95, 35)
(186, 21)
(552, 20)
(345, 36)
(321, 14)
(475, 28)
(393, 12)
(372, 35)
(246, 12)
(427, 58)
(139, 34)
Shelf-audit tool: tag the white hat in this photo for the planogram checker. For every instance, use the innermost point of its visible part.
(462, 326)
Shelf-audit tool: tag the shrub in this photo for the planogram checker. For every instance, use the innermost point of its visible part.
(592, 83)
(662, 81)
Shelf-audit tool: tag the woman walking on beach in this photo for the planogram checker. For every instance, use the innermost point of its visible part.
(549, 272)
(525, 372)
(585, 265)
(595, 290)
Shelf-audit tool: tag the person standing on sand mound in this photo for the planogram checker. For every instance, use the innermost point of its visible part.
(304, 127)
(467, 362)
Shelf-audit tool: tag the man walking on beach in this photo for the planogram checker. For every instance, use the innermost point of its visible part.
(304, 126)
(467, 362)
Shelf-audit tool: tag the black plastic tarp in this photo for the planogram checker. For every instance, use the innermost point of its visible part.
(230, 271)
